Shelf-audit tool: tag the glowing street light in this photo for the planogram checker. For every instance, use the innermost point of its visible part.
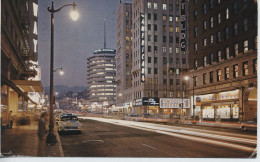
(51, 138)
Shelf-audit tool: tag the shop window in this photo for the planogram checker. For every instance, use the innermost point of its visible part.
(235, 111)
(223, 111)
(219, 75)
(208, 112)
(245, 68)
(255, 66)
(235, 71)
(226, 73)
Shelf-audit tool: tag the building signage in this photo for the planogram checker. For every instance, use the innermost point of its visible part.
(229, 95)
(183, 26)
(150, 101)
(142, 64)
(138, 102)
(208, 97)
(174, 103)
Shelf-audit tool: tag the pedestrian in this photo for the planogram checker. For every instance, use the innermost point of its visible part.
(11, 120)
(42, 133)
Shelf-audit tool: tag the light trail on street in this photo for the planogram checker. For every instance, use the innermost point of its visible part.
(224, 139)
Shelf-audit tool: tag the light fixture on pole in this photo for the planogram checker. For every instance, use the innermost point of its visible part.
(61, 71)
(51, 138)
(185, 78)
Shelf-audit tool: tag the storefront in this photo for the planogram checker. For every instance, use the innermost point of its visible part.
(222, 106)
(146, 105)
(173, 106)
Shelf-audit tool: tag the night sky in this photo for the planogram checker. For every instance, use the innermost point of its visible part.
(74, 41)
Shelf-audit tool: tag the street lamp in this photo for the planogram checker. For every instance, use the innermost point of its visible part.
(51, 138)
(61, 71)
(185, 78)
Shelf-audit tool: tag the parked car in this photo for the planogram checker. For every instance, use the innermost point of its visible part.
(252, 125)
(69, 123)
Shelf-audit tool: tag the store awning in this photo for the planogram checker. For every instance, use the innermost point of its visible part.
(28, 86)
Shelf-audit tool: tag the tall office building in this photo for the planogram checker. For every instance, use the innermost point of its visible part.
(159, 54)
(223, 59)
(124, 55)
(101, 79)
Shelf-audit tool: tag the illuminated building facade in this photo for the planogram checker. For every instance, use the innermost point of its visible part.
(223, 59)
(159, 54)
(101, 68)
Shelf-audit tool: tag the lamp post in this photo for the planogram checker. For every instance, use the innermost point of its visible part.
(185, 79)
(61, 71)
(51, 138)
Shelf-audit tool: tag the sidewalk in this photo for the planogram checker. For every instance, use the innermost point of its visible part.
(23, 141)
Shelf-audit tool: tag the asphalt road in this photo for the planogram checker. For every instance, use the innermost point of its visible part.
(100, 139)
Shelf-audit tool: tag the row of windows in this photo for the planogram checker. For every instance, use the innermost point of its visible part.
(219, 56)
(227, 74)
(211, 4)
(226, 30)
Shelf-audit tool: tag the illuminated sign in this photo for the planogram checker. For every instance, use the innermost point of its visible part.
(105, 50)
(183, 26)
(150, 101)
(142, 65)
(174, 103)
(229, 95)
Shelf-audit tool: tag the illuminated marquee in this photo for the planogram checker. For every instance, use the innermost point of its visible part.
(142, 65)
(183, 26)
(174, 103)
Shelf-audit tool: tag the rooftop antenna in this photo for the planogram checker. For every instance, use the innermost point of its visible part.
(104, 33)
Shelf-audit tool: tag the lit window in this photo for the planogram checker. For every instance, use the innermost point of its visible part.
(227, 13)
(204, 78)
(35, 45)
(226, 73)
(204, 8)
(211, 22)
(170, 49)
(246, 46)
(177, 50)
(219, 75)
(236, 49)
(170, 29)
(177, 71)
(155, 6)
(245, 68)
(149, 5)
(35, 9)
(35, 28)
(177, 29)
(164, 49)
(177, 19)
(205, 61)
(255, 66)
(219, 55)
(196, 64)
(227, 52)
(204, 25)
(170, 18)
(205, 42)
(164, 17)
(164, 7)
(196, 47)
(219, 18)
(211, 39)
(235, 71)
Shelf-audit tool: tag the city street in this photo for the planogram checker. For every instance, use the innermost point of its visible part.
(118, 138)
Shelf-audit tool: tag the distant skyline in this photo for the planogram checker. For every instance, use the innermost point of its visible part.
(74, 41)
